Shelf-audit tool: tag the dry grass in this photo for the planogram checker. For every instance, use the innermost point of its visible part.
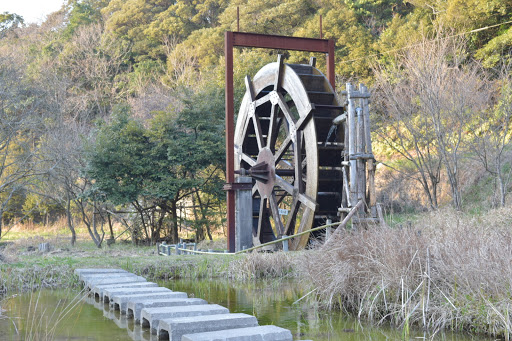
(262, 265)
(216, 244)
(447, 271)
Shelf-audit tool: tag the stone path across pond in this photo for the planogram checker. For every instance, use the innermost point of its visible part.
(163, 314)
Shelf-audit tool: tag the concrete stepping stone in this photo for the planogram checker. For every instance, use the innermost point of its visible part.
(89, 283)
(173, 329)
(120, 320)
(98, 290)
(134, 331)
(150, 317)
(134, 306)
(108, 294)
(119, 302)
(84, 272)
(84, 275)
(261, 333)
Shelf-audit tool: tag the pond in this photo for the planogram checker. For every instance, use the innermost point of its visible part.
(67, 315)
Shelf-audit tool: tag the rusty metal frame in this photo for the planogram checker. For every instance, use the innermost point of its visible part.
(242, 39)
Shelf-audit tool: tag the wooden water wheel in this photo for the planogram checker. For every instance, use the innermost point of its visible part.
(285, 139)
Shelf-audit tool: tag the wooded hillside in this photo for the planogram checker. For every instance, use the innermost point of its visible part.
(114, 110)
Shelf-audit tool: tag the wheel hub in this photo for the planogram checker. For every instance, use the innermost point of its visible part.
(265, 188)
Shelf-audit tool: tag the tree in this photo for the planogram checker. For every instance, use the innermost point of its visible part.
(91, 64)
(19, 131)
(154, 168)
(63, 153)
(434, 95)
(9, 22)
(491, 135)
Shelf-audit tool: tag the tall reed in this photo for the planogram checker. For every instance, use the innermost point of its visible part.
(446, 271)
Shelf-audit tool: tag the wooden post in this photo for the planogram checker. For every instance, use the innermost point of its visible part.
(345, 199)
(372, 197)
(361, 142)
(351, 120)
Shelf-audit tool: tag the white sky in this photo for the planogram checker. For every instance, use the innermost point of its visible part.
(33, 11)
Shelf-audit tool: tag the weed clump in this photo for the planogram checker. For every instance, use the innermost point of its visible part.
(262, 265)
(444, 271)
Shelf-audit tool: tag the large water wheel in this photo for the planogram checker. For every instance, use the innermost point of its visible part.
(285, 139)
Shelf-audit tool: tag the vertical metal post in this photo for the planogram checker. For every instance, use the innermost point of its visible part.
(230, 142)
(285, 245)
(328, 230)
(330, 65)
(321, 33)
(237, 18)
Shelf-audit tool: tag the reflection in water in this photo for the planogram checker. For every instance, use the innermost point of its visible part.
(33, 315)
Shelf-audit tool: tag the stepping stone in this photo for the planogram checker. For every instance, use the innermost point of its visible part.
(119, 302)
(105, 274)
(108, 294)
(99, 289)
(134, 306)
(173, 329)
(83, 272)
(261, 333)
(89, 283)
(120, 320)
(150, 317)
(135, 331)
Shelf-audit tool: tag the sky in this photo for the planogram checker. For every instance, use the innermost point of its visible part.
(33, 11)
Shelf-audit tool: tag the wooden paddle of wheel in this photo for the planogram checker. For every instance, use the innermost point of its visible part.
(285, 139)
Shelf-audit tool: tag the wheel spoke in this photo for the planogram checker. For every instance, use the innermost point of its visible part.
(262, 215)
(257, 130)
(297, 151)
(284, 146)
(273, 129)
(248, 159)
(279, 72)
(254, 189)
(310, 203)
(249, 87)
(301, 122)
(246, 126)
(304, 220)
(302, 197)
(292, 215)
(262, 100)
(275, 214)
(286, 111)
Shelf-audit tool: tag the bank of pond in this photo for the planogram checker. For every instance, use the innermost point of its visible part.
(67, 314)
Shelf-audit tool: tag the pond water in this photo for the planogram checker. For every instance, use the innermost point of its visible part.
(67, 315)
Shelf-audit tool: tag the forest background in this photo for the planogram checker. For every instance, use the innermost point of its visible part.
(114, 110)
